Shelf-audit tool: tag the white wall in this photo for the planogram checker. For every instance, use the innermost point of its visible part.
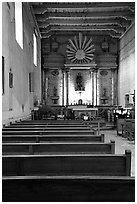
(21, 62)
(126, 72)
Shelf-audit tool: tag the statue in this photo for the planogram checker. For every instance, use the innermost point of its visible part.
(79, 81)
(104, 92)
(54, 91)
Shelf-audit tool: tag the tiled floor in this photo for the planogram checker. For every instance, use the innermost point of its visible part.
(121, 144)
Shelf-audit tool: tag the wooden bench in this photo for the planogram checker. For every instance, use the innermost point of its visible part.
(120, 123)
(95, 123)
(52, 138)
(67, 164)
(46, 128)
(129, 129)
(47, 125)
(47, 132)
(68, 189)
(58, 147)
(126, 128)
(71, 122)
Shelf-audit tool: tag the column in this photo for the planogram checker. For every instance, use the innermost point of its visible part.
(90, 72)
(67, 87)
(92, 87)
(97, 84)
(63, 87)
(115, 87)
(46, 95)
(95, 87)
(44, 86)
(112, 75)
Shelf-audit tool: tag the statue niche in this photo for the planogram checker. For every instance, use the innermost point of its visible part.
(79, 83)
(104, 97)
(55, 97)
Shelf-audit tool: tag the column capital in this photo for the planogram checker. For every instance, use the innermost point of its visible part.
(67, 70)
(45, 70)
(93, 70)
(63, 69)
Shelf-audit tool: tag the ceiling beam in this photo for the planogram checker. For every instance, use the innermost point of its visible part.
(107, 18)
(71, 21)
(45, 5)
(112, 14)
(83, 10)
(82, 27)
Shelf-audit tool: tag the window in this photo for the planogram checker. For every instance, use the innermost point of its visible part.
(18, 23)
(35, 49)
(3, 75)
(31, 79)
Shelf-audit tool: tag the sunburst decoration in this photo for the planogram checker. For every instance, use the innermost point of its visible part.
(80, 50)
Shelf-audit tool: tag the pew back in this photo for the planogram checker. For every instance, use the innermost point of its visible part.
(67, 164)
(68, 189)
(53, 138)
(47, 132)
(58, 147)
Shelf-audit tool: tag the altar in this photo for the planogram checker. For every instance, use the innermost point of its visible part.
(80, 110)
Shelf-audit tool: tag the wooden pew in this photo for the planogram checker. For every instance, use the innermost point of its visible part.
(47, 132)
(71, 122)
(53, 138)
(67, 164)
(129, 129)
(58, 148)
(46, 128)
(68, 189)
(46, 125)
(95, 123)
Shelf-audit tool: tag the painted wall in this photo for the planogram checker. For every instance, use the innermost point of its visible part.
(17, 102)
(126, 72)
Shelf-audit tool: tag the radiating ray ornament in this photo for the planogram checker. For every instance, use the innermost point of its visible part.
(80, 49)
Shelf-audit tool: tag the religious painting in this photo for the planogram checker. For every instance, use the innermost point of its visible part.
(10, 79)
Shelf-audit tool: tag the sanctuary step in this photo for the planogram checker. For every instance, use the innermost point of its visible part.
(58, 148)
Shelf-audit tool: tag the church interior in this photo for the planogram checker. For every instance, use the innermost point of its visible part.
(68, 101)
